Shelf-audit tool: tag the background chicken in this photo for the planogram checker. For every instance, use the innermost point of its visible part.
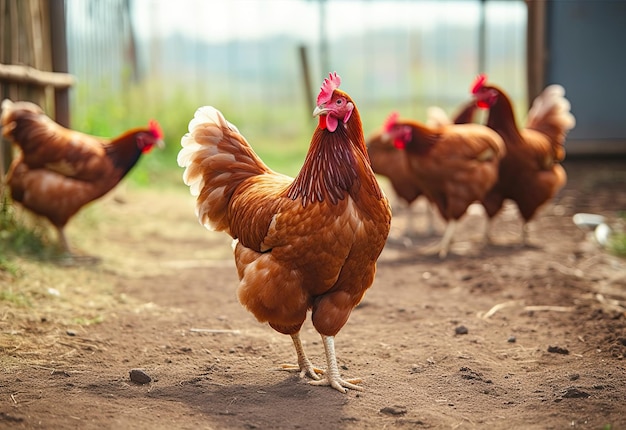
(389, 161)
(58, 171)
(309, 243)
(454, 165)
(530, 173)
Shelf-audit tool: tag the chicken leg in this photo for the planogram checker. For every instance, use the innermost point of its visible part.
(332, 376)
(65, 247)
(525, 234)
(68, 258)
(304, 364)
(443, 247)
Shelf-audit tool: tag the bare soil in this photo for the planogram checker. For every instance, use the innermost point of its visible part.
(492, 337)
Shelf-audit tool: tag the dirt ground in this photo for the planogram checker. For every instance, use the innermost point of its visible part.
(498, 337)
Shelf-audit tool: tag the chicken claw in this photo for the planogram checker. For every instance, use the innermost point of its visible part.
(332, 377)
(338, 384)
(304, 364)
(308, 370)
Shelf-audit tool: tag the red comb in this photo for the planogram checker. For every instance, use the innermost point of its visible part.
(155, 129)
(330, 84)
(478, 83)
(391, 121)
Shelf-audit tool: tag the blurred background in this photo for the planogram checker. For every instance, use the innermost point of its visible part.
(118, 63)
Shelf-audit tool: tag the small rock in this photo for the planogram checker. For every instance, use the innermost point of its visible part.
(394, 410)
(575, 393)
(70, 332)
(511, 339)
(461, 330)
(139, 376)
(558, 350)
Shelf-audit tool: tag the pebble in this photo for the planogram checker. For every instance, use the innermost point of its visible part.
(139, 376)
(575, 393)
(394, 410)
(461, 330)
(558, 350)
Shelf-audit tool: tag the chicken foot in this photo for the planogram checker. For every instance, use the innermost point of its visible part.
(304, 364)
(443, 247)
(332, 376)
(68, 258)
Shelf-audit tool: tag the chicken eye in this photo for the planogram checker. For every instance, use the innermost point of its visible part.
(339, 102)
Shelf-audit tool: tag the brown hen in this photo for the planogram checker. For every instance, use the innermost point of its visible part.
(309, 243)
(58, 170)
(530, 173)
(454, 165)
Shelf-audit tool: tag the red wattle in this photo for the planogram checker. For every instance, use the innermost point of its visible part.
(399, 143)
(322, 122)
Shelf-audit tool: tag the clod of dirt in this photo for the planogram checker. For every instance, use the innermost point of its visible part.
(558, 350)
(139, 376)
(10, 418)
(394, 410)
(574, 393)
(461, 330)
(467, 373)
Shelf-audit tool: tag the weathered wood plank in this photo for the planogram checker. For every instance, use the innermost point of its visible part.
(28, 75)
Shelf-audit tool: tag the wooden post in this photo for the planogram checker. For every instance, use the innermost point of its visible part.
(482, 39)
(59, 60)
(536, 51)
(304, 63)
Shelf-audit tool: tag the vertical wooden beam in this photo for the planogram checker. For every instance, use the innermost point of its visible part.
(482, 38)
(59, 60)
(536, 48)
(306, 77)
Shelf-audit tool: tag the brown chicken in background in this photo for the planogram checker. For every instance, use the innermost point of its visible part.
(389, 161)
(309, 243)
(454, 165)
(58, 171)
(530, 173)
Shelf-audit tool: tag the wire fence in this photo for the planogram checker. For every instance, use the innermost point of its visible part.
(409, 53)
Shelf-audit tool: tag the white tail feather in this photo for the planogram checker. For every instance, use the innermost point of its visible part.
(551, 105)
(216, 158)
(437, 117)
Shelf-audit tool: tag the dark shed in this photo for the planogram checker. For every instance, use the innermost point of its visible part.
(580, 45)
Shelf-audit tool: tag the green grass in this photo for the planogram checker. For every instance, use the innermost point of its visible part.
(617, 244)
(281, 141)
(19, 235)
(16, 299)
(278, 130)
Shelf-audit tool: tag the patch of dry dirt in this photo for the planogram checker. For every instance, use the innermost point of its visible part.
(501, 337)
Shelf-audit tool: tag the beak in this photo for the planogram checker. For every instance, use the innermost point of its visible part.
(160, 144)
(319, 110)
